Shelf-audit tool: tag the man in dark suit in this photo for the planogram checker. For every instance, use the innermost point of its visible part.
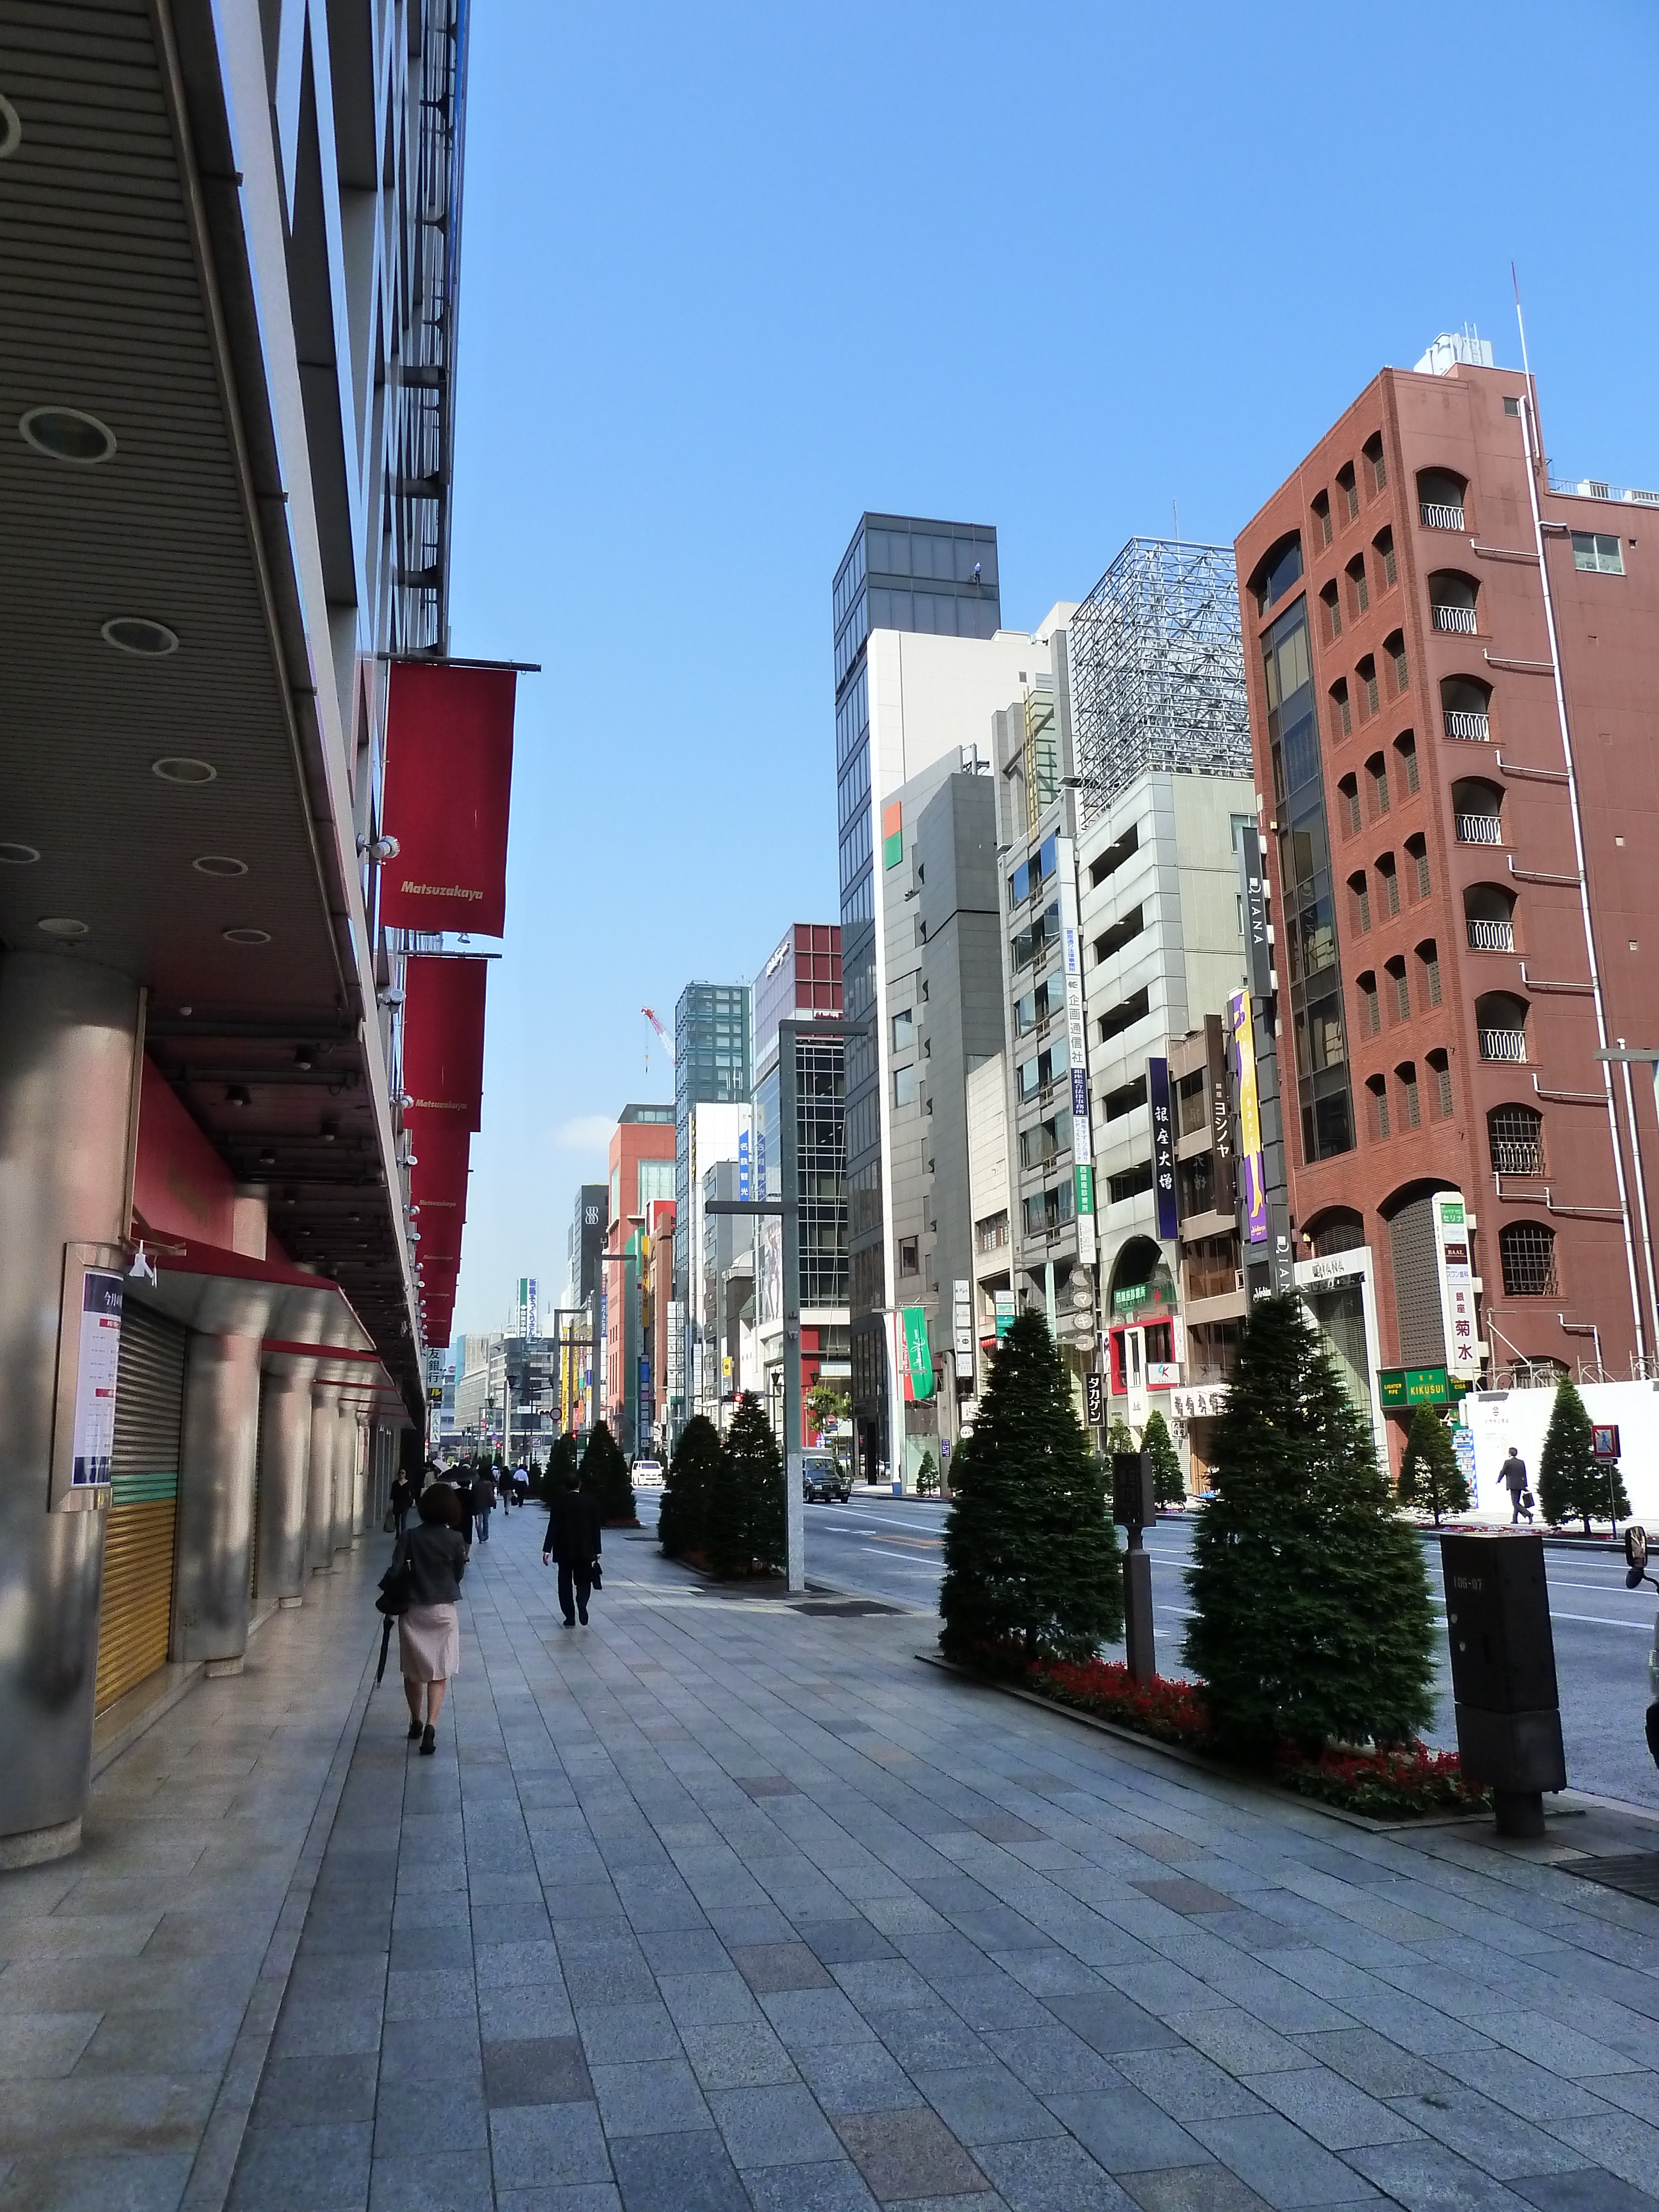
(572, 1539)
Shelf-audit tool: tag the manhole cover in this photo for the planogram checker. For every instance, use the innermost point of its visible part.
(852, 1608)
(1634, 1875)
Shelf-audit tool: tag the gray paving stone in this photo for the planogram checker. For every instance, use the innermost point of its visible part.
(651, 2097)
(1498, 2142)
(1586, 2190)
(1191, 2189)
(1285, 2167)
(1371, 2062)
(316, 2092)
(1055, 2175)
(302, 2170)
(1124, 2130)
(1426, 2177)
(621, 2034)
(827, 2187)
(770, 1967)
(124, 2182)
(679, 2174)
(708, 1997)
(547, 2146)
(911, 2154)
(985, 2104)
(432, 2181)
(736, 2054)
(807, 2018)
(857, 2077)
(1110, 2022)
(773, 2126)
(1185, 2084)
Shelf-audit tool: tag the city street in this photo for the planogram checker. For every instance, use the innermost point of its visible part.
(892, 1548)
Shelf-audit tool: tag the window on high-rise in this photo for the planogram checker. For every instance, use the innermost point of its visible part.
(904, 1085)
(1593, 550)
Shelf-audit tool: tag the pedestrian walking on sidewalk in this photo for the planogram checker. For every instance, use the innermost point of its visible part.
(1513, 1476)
(573, 1540)
(483, 1498)
(429, 1630)
(402, 1502)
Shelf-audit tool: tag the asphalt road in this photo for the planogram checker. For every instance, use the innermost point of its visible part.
(892, 1548)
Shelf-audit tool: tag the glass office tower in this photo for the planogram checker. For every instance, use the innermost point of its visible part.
(712, 1065)
(939, 579)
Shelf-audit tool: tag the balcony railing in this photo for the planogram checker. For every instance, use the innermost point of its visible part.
(1436, 517)
(1517, 1156)
(1502, 1044)
(1459, 618)
(1479, 829)
(1491, 936)
(1464, 722)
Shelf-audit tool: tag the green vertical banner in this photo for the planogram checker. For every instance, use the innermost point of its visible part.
(918, 1357)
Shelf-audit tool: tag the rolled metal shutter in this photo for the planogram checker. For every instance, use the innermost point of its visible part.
(135, 1615)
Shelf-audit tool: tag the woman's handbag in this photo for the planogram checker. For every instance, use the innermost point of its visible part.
(389, 1526)
(396, 1584)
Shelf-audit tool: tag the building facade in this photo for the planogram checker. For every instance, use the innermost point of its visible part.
(642, 1164)
(1454, 737)
(714, 1064)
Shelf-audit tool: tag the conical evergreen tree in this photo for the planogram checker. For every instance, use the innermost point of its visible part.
(604, 1478)
(1031, 1563)
(1429, 1476)
(1168, 1487)
(556, 1472)
(1573, 1484)
(683, 1519)
(1311, 1622)
(745, 1530)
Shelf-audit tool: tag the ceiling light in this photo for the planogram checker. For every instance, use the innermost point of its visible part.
(236, 1094)
(248, 937)
(138, 634)
(218, 864)
(330, 1130)
(68, 434)
(178, 767)
(18, 856)
(63, 924)
(267, 1159)
(305, 1056)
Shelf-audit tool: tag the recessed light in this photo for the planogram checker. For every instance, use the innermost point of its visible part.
(267, 1159)
(248, 937)
(63, 924)
(237, 1095)
(68, 433)
(138, 634)
(18, 856)
(178, 768)
(330, 1130)
(219, 863)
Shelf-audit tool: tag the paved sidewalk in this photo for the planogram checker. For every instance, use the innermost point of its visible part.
(720, 1904)
(717, 1904)
(140, 1980)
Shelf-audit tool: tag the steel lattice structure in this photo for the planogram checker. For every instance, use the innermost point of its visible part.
(1157, 669)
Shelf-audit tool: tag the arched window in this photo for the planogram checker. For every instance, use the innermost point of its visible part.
(1330, 599)
(1278, 569)
(1452, 600)
(1399, 995)
(1376, 1087)
(1388, 567)
(1440, 499)
(1466, 703)
(1516, 1137)
(1501, 1019)
(1428, 972)
(1393, 646)
(1405, 752)
(1349, 790)
(1526, 1252)
(1342, 712)
(1489, 917)
(1410, 1104)
(1478, 811)
(1370, 1006)
(1376, 465)
(1440, 1084)
(1359, 589)
(1387, 877)
(1417, 852)
(1322, 515)
(1359, 890)
(1366, 672)
(1339, 1230)
(1348, 490)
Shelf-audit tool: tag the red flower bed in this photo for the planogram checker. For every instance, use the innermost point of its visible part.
(1388, 1784)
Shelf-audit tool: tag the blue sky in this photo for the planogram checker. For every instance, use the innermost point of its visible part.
(731, 275)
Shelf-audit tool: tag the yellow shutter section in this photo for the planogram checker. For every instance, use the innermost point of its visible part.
(134, 1617)
(134, 1614)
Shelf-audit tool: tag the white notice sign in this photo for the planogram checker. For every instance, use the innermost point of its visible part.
(96, 1374)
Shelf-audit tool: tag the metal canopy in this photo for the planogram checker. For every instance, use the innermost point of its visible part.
(128, 298)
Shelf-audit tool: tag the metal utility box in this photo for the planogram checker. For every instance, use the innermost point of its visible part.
(1134, 1504)
(1503, 1665)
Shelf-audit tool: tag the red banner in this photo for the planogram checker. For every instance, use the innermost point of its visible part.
(438, 1185)
(443, 1041)
(448, 784)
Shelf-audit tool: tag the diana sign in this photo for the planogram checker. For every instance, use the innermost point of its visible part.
(1076, 1043)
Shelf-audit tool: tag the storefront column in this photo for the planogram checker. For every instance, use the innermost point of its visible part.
(360, 1487)
(319, 1479)
(284, 1462)
(67, 1048)
(346, 1471)
(217, 1454)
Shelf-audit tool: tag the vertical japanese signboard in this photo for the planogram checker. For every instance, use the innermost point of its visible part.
(1163, 1181)
(1076, 1052)
(1455, 1264)
(918, 1356)
(1250, 1165)
(962, 1329)
(1221, 1118)
(1253, 886)
(94, 1375)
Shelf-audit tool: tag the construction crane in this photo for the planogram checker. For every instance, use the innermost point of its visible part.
(667, 1046)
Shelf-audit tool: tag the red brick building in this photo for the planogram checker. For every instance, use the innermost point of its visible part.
(1459, 812)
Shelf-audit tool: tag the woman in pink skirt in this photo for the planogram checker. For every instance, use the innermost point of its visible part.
(429, 1631)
